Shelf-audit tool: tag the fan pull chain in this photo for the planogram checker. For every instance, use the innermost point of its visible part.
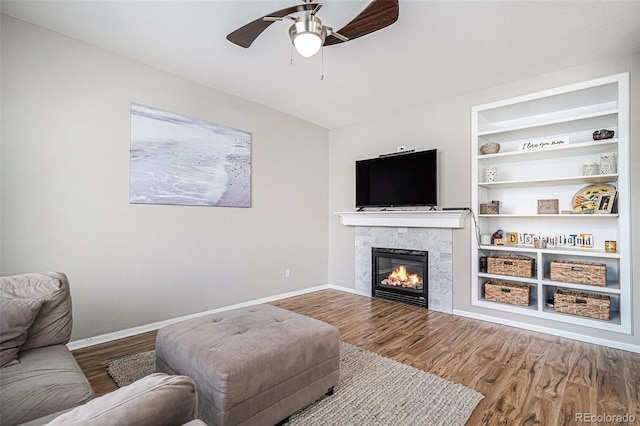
(291, 53)
(322, 58)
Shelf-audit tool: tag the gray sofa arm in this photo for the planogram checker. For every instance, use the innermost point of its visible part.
(157, 399)
(54, 321)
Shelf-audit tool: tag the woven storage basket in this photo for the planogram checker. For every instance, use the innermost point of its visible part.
(489, 208)
(507, 292)
(579, 272)
(584, 304)
(524, 267)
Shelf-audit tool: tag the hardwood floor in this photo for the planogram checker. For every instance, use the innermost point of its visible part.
(94, 359)
(527, 378)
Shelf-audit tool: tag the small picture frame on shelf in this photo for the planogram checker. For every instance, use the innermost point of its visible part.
(548, 206)
(605, 202)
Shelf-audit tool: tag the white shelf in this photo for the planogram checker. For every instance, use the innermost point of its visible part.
(581, 252)
(611, 288)
(574, 112)
(542, 120)
(576, 131)
(555, 181)
(614, 323)
(566, 251)
(577, 99)
(531, 309)
(553, 216)
(583, 148)
(511, 248)
(508, 278)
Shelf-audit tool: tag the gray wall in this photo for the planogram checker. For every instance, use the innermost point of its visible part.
(65, 180)
(65, 190)
(446, 126)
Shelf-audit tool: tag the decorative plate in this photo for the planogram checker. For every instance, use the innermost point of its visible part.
(586, 199)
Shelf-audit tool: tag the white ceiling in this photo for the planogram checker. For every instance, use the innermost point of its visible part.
(436, 49)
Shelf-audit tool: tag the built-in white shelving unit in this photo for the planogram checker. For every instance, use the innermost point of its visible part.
(525, 176)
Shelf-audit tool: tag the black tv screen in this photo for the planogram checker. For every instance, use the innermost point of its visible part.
(400, 180)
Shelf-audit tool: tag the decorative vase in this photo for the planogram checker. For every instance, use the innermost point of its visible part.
(589, 169)
(490, 148)
(490, 174)
(608, 163)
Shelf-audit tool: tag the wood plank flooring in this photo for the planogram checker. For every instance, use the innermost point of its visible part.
(527, 378)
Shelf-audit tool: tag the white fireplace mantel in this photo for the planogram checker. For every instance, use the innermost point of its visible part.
(405, 219)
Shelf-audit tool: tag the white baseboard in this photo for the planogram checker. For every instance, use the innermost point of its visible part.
(552, 331)
(345, 289)
(104, 338)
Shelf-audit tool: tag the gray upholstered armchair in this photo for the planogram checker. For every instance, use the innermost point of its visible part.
(38, 373)
(40, 380)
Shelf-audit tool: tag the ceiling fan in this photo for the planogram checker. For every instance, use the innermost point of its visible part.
(308, 33)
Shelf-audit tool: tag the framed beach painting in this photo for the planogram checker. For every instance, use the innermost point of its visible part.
(186, 161)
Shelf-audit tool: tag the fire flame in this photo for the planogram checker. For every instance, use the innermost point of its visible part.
(401, 276)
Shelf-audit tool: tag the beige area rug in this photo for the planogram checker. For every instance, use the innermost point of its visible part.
(373, 390)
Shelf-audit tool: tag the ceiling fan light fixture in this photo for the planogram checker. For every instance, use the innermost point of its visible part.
(307, 44)
(307, 35)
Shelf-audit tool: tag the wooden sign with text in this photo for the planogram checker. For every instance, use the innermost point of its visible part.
(543, 143)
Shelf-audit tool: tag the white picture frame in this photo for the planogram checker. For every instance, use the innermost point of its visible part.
(606, 202)
(179, 160)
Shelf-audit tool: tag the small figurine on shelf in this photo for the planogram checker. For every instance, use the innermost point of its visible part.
(603, 134)
(537, 242)
(498, 238)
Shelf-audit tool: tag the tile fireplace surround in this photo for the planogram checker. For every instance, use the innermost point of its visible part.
(438, 242)
(427, 231)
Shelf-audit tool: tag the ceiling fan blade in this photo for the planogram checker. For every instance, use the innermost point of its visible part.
(247, 34)
(377, 15)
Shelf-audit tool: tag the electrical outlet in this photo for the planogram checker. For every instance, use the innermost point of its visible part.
(287, 273)
(401, 148)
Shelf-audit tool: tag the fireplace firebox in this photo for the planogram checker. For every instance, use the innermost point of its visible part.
(400, 275)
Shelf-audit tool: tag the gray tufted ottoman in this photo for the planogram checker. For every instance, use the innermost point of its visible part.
(253, 366)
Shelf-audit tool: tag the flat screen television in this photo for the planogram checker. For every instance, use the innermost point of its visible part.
(398, 180)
